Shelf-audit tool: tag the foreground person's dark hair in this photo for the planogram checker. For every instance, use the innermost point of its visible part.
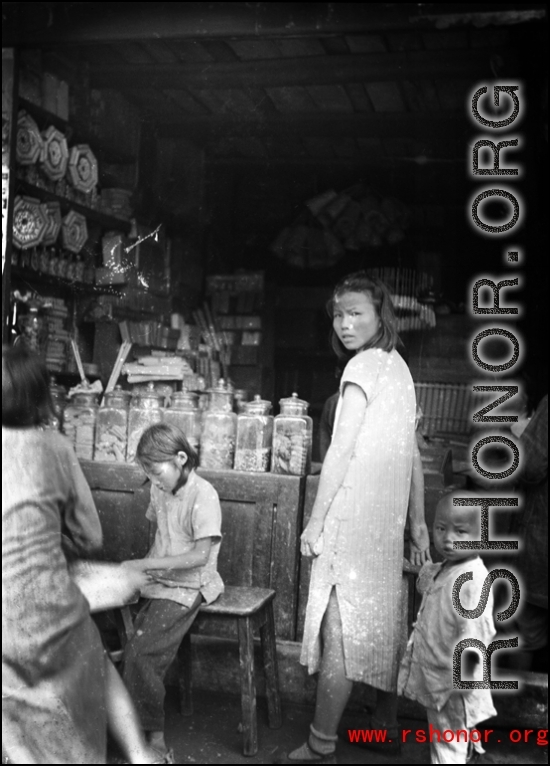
(26, 397)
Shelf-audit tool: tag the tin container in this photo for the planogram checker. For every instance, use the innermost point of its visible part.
(254, 436)
(184, 413)
(240, 398)
(145, 410)
(79, 422)
(111, 433)
(219, 429)
(292, 438)
(59, 400)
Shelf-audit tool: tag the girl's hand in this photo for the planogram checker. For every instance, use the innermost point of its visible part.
(310, 536)
(420, 544)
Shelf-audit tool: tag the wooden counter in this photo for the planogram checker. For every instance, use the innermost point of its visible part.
(262, 520)
(263, 517)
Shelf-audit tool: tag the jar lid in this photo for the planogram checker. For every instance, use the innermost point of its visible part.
(257, 406)
(118, 394)
(85, 397)
(222, 387)
(149, 395)
(184, 399)
(293, 404)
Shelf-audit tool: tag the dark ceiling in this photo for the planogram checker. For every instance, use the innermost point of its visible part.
(319, 82)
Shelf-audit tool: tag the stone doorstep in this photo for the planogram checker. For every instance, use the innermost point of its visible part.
(215, 666)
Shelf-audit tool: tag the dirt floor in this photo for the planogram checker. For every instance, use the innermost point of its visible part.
(212, 736)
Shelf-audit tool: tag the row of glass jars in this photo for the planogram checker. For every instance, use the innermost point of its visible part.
(251, 441)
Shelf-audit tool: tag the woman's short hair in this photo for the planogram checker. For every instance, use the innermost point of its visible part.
(160, 443)
(26, 397)
(360, 282)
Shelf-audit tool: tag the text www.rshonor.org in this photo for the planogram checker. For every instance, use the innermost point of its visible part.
(537, 736)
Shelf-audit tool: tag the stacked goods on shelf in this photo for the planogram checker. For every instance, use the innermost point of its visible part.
(331, 224)
(162, 368)
(406, 287)
(150, 333)
(43, 89)
(57, 314)
(237, 301)
(116, 202)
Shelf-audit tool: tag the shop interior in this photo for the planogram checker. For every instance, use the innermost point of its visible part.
(188, 182)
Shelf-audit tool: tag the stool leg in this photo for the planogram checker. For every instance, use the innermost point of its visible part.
(184, 676)
(269, 653)
(248, 686)
(124, 624)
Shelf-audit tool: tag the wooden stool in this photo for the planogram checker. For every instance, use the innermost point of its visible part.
(250, 607)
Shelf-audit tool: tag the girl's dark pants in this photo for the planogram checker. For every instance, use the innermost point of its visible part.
(160, 626)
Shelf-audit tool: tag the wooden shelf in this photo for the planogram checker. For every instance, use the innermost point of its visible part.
(64, 285)
(44, 118)
(104, 220)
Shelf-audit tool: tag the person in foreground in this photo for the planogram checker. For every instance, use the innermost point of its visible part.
(59, 689)
(371, 475)
(187, 511)
(426, 673)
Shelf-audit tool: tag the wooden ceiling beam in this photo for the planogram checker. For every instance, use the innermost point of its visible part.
(38, 24)
(408, 125)
(303, 71)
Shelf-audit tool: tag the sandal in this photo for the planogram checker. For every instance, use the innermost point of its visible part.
(311, 757)
(166, 757)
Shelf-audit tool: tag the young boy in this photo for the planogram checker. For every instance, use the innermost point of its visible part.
(426, 673)
(186, 509)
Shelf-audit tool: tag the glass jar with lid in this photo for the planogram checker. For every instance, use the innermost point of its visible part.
(79, 420)
(219, 428)
(145, 410)
(292, 438)
(59, 401)
(111, 432)
(184, 413)
(254, 436)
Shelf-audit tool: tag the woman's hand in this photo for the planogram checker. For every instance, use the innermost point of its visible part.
(137, 565)
(133, 579)
(310, 536)
(420, 544)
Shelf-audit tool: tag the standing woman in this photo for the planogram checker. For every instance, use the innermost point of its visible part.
(371, 475)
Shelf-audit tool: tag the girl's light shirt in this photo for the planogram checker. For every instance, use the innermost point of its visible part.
(192, 514)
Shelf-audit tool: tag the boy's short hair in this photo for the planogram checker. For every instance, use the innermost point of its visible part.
(160, 443)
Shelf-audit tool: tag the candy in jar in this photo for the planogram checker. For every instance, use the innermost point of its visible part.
(79, 421)
(112, 427)
(292, 438)
(145, 410)
(219, 429)
(254, 436)
(185, 414)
